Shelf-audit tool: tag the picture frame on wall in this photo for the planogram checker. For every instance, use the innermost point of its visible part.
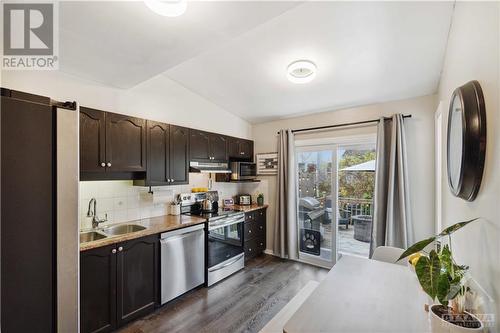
(267, 164)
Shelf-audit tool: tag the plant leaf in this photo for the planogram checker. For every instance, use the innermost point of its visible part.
(428, 271)
(418, 246)
(455, 227)
(443, 289)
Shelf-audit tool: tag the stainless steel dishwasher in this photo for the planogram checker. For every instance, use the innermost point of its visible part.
(182, 261)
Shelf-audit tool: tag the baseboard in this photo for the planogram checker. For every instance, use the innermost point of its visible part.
(270, 252)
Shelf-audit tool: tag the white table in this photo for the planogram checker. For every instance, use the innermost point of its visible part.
(362, 295)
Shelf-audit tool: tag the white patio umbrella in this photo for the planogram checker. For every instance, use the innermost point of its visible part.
(365, 166)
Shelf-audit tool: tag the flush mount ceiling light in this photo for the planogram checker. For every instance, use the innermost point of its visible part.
(301, 71)
(167, 8)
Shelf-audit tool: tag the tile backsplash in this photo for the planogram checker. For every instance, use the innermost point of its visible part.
(122, 202)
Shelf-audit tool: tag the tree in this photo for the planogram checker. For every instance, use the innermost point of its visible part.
(356, 184)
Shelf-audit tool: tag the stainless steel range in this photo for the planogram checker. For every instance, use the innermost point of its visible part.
(225, 233)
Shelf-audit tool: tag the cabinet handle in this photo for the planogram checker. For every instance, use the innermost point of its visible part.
(242, 153)
(113, 251)
(261, 227)
(250, 250)
(261, 244)
(172, 180)
(103, 164)
(249, 231)
(109, 164)
(120, 249)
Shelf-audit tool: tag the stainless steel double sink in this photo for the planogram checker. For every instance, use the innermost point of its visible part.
(116, 230)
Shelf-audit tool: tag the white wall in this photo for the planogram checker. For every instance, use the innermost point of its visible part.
(159, 99)
(420, 140)
(473, 54)
(121, 201)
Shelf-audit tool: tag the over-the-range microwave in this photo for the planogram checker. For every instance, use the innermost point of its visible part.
(243, 170)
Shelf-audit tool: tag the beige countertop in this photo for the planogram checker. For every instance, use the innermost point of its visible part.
(249, 208)
(154, 225)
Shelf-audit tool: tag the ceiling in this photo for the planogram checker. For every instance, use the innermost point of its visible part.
(235, 54)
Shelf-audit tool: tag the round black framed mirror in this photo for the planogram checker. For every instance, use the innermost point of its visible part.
(466, 140)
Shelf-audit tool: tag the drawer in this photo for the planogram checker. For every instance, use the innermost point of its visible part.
(254, 247)
(254, 229)
(249, 217)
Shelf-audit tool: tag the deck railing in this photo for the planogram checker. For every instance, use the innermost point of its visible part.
(354, 206)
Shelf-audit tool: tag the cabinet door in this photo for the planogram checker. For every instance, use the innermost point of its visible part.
(233, 149)
(137, 278)
(218, 147)
(158, 137)
(179, 155)
(92, 140)
(98, 290)
(125, 143)
(246, 149)
(199, 145)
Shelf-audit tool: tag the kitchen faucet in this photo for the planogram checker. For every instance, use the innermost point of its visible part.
(93, 214)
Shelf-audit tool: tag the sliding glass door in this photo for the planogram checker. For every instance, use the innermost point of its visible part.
(335, 184)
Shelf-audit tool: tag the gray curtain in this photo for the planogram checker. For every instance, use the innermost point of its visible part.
(392, 225)
(285, 228)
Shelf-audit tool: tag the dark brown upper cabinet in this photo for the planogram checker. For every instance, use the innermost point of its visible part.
(92, 140)
(199, 145)
(125, 143)
(218, 147)
(179, 155)
(207, 147)
(240, 149)
(167, 155)
(112, 146)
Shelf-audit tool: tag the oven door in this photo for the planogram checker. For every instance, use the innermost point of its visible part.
(225, 240)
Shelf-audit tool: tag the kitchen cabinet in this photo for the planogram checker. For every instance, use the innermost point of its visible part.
(254, 233)
(125, 143)
(208, 147)
(167, 155)
(179, 155)
(240, 149)
(118, 283)
(137, 278)
(112, 146)
(98, 290)
(199, 146)
(92, 140)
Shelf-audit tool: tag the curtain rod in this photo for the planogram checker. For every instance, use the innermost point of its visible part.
(345, 124)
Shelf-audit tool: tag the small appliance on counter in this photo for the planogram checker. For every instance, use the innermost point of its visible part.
(243, 199)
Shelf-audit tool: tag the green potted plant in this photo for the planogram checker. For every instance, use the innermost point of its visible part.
(445, 282)
(260, 199)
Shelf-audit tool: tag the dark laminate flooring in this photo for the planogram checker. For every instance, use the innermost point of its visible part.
(244, 302)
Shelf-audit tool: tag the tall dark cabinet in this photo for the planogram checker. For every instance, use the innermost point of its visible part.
(28, 243)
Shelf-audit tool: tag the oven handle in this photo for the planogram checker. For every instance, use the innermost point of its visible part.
(238, 257)
(225, 224)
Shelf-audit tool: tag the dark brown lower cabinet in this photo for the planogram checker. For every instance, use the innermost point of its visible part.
(255, 233)
(118, 283)
(137, 282)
